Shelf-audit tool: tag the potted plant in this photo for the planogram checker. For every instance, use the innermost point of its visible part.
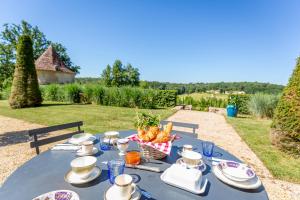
(232, 108)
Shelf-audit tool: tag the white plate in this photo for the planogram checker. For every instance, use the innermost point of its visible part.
(199, 190)
(51, 195)
(80, 153)
(72, 178)
(82, 137)
(201, 167)
(253, 183)
(108, 195)
(236, 171)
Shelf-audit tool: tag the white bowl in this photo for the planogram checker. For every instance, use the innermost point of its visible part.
(236, 171)
(83, 166)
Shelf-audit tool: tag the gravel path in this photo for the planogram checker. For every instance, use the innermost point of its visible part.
(213, 127)
(14, 145)
(15, 150)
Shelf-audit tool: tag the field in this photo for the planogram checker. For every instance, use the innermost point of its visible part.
(96, 118)
(198, 96)
(255, 132)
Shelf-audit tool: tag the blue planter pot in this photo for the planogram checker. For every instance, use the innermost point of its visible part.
(232, 111)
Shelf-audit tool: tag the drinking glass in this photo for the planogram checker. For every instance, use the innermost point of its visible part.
(208, 148)
(115, 168)
(104, 143)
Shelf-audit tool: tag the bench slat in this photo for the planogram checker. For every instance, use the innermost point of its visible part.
(53, 139)
(54, 128)
(181, 124)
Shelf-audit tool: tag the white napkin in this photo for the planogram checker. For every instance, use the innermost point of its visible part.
(66, 147)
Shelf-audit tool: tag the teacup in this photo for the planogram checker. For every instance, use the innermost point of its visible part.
(87, 147)
(124, 187)
(191, 158)
(187, 147)
(83, 166)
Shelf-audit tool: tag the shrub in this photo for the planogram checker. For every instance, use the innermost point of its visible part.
(203, 103)
(286, 121)
(73, 93)
(241, 101)
(18, 97)
(262, 105)
(53, 92)
(98, 94)
(86, 96)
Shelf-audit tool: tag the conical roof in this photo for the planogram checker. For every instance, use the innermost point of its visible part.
(50, 61)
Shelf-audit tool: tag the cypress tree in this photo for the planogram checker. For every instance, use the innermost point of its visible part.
(34, 96)
(18, 97)
(286, 121)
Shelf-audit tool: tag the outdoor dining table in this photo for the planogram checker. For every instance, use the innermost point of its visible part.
(45, 173)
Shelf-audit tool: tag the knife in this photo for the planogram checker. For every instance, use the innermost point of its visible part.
(144, 167)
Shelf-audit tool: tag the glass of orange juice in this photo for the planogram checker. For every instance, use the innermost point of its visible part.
(133, 157)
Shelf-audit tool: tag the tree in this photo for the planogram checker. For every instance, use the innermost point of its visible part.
(117, 74)
(8, 43)
(286, 121)
(34, 96)
(18, 97)
(106, 76)
(132, 75)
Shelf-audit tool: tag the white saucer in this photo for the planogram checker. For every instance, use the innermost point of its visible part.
(109, 195)
(82, 137)
(51, 195)
(80, 153)
(253, 183)
(201, 167)
(73, 178)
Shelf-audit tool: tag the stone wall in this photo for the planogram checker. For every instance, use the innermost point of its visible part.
(47, 77)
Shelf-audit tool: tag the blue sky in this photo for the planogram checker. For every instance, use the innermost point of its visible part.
(175, 41)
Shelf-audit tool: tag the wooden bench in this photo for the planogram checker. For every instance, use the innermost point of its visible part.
(35, 132)
(181, 124)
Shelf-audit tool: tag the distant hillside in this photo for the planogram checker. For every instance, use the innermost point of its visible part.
(187, 88)
(247, 87)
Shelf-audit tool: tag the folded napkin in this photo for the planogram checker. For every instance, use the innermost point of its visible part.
(66, 147)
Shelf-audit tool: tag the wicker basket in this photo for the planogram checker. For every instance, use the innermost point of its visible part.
(150, 152)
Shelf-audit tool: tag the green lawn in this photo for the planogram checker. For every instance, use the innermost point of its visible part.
(256, 133)
(198, 96)
(96, 118)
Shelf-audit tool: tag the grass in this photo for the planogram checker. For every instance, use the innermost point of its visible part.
(256, 133)
(198, 96)
(96, 118)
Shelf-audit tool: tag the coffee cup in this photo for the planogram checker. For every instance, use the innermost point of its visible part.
(191, 158)
(124, 187)
(187, 147)
(83, 166)
(87, 147)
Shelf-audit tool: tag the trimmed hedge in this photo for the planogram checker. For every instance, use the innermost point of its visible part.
(241, 101)
(110, 96)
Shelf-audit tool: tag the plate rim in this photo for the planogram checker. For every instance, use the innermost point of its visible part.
(76, 197)
(235, 177)
(84, 181)
(237, 184)
(135, 185)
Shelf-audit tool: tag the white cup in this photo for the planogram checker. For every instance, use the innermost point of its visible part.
(87, 147)
(191, 158)
(124, 187)
(187, 147)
